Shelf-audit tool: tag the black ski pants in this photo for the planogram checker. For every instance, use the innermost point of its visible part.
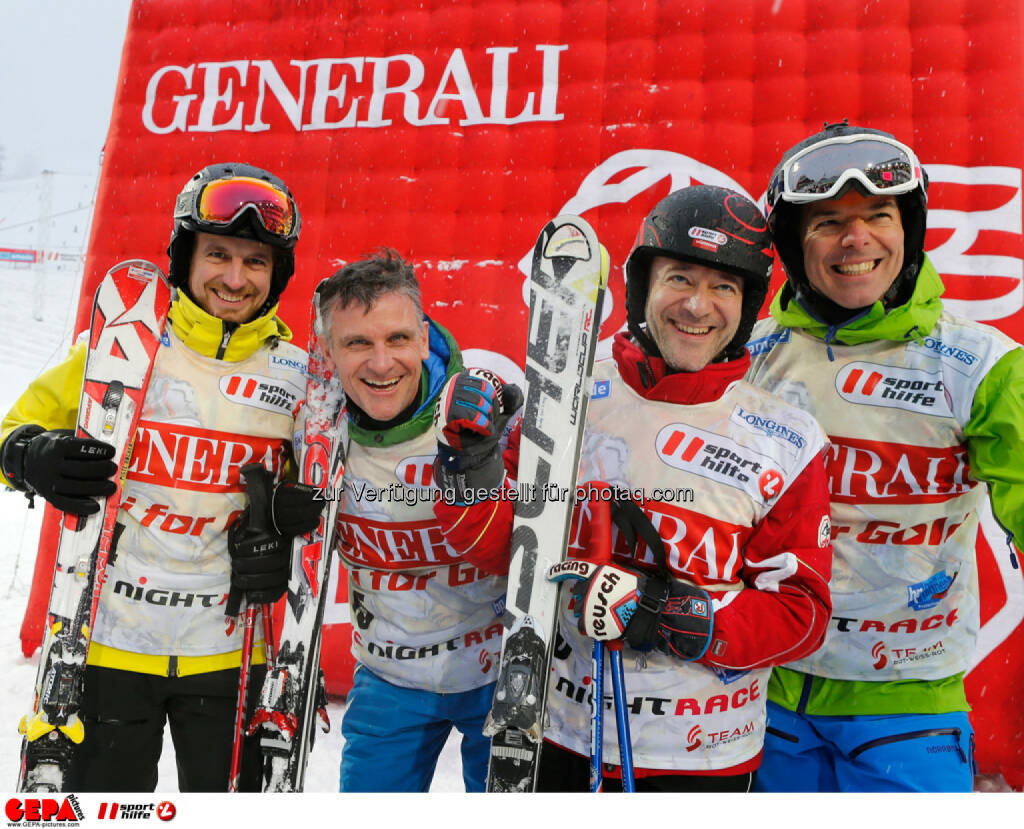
(124, 715)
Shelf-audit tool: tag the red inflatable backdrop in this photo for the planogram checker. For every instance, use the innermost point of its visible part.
(452, 131)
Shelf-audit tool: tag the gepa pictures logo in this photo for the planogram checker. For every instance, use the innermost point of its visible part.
(43, 810)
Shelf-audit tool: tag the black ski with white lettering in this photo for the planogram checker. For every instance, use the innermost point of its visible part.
(127, 323)
(567, 285)
(293, 694)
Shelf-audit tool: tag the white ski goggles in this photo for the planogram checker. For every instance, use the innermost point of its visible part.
(883, 166)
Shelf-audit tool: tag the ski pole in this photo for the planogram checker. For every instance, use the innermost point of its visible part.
(597, 717)
(622, 716)
(254, 476)
(243, 691)
(268, 635)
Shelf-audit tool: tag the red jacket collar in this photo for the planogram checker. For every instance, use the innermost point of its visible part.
(652, 379)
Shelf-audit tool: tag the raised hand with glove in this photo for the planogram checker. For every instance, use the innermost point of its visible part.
(260, 539)
(648, 610)
(68, 471)
(469, 419)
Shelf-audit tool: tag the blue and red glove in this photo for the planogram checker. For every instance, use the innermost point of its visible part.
(469, 419)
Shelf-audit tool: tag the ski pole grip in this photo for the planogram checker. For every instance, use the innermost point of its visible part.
(258, 486)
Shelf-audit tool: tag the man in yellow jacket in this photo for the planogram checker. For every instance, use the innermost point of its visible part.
(225, 388)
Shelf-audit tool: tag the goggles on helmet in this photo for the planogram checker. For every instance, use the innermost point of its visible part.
(883, 166)
(221, 201)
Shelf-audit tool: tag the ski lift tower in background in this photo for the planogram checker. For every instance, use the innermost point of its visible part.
(43, 242)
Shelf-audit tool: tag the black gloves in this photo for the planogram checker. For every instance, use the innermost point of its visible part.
(68, 471)
(469, 418)
(294, 508)
(683, 626)
(260, 540)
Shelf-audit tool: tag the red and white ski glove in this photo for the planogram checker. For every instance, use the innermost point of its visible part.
(613, 602)
(604, 596)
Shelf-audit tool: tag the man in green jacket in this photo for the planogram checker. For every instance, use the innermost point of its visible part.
(922, 409)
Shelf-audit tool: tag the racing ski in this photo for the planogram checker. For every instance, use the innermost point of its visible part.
(567, 284)
(127, 323)
(293, 692)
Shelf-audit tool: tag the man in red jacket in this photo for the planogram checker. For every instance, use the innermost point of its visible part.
(734, 487)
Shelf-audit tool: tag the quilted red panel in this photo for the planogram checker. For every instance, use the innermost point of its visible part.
(452, 130)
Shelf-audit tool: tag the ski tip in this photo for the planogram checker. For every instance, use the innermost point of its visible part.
(572, 238)
(581, 224)
(140, 269)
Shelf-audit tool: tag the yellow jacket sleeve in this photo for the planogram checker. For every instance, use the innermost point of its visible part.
(51, 401)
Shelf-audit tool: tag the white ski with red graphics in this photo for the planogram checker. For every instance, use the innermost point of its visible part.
(293, 694)
(567, 284)
(128, 318)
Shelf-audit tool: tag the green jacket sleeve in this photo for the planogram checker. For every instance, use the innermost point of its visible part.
(995, 440)
(51, 401)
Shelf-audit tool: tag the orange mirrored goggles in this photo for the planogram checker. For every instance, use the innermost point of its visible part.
(223, 200)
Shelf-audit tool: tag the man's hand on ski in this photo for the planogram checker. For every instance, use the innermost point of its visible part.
(604, 596)
(260, 539)
(260, 565)
(68, 471)
(295, 508)
(469, 419)
(611, 601)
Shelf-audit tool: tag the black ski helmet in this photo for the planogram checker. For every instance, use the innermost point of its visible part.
(784, 224)
(246, 223)
(710, 226)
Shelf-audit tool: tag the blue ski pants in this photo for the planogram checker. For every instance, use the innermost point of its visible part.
(891, 753)
(393, 736)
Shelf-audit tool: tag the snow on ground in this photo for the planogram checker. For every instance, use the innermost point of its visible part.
(27, 347)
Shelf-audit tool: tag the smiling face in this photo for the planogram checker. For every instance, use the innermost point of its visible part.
(229, 277)
(379, 353)
(692, 311)
(853, 247)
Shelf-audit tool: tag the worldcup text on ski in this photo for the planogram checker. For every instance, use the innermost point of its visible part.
(399, 493)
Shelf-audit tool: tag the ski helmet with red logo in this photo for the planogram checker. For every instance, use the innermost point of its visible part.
(710, 226)
(235, 200)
